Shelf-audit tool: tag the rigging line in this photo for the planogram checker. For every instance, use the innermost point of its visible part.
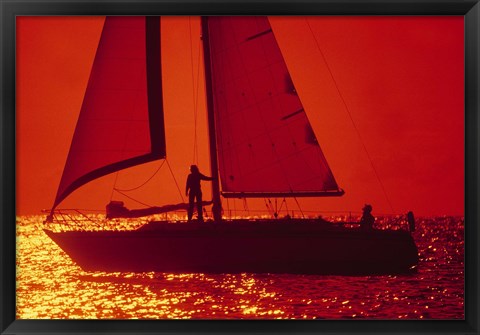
(194, 92)
(268, 207)
(300, 208)
(114, 183)
(129, 197)
(228, 209)
(79, 209)
(281, 205)
(175, 180)
(286, 206)
(197, 94)
(350, 116)
(125, 142)
(234, 207)
(143, 184)
(245, 206)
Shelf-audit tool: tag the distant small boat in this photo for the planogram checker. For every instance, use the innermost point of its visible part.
(261, 146)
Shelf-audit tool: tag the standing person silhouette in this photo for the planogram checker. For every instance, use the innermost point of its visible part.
(367, 220)
(194, 190)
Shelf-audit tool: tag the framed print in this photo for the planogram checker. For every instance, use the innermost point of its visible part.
(242, 167)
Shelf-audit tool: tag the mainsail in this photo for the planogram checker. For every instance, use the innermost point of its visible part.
(121, 120)
(266, 145)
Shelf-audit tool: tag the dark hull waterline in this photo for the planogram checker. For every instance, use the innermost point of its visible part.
(245, 246)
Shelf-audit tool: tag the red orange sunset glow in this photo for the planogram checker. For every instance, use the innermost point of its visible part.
(385, 96)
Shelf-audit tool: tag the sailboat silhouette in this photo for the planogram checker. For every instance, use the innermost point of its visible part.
(261, 145)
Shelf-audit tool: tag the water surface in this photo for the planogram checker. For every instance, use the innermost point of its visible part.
(51, 286)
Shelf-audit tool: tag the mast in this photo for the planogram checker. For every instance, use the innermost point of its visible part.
(217, 206)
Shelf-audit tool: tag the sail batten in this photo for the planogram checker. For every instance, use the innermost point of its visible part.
(121, 120)
(259, 34)
(286, 117)
(266, 145)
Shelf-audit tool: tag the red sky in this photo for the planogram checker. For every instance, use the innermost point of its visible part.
(384, 96)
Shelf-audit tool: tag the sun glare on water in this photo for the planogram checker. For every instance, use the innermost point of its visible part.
(51, 286)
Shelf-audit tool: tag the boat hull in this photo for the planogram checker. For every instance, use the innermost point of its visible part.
(291, 247)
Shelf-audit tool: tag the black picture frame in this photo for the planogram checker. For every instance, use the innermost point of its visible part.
(9, 9)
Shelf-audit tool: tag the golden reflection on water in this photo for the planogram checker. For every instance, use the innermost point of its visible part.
(51, 286)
